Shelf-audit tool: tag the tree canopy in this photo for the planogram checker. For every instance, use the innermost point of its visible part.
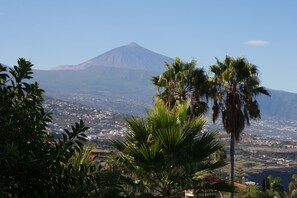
(182, 81)
(32, 163)
(236, 85)
(167, 153)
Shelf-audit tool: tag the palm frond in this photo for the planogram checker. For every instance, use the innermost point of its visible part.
(167, 148)
(204, 146)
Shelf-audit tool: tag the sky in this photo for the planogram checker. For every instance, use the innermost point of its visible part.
(65, 32)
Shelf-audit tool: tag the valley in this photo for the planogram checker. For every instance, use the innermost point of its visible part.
(258, 149)
(107, 89)
(261, 150)
(119, 80)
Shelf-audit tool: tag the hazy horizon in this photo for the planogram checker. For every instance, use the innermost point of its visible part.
(57, 33)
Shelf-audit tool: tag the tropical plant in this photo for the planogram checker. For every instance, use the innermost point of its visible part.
(236, 85)
(255, 191)
(167, 153)
(293, 187)
(182, 81)
(273, 186)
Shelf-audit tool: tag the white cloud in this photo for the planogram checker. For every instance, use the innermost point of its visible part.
(256, 42)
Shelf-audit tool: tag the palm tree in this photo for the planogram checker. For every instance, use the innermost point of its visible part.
(182, 81)
(166, 153)
(236, 84)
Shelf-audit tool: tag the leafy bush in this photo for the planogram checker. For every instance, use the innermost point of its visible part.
(32, 163)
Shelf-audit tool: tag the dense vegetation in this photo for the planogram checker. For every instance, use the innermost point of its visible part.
(32, 163)
(162, 155)
(166, 153)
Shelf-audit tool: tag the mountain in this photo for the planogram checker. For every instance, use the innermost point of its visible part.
(130, 56)
(281, 105)
(119, 80)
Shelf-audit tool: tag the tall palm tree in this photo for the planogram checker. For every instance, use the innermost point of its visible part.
(182, 81)
(236, 85)
(166, 153)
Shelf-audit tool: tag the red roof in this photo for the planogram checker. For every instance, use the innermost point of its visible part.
(239, 185)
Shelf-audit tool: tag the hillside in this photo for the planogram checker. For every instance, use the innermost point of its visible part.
(281, 105)
(103, 124)
(119, 80)
(131, 56)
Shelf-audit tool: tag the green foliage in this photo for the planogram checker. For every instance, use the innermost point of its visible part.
(293, 187)
(254, 191)
(32, 164)
(23, 130)
(271, 188)
(167, 153)
(235, 86)
(274, 185)
(182, 81)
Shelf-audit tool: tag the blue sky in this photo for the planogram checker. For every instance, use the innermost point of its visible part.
(58, 32)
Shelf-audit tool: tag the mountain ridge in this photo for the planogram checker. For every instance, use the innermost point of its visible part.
(131, 56)
(129, 89)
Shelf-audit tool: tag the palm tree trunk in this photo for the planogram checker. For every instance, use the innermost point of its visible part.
(232, 145)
